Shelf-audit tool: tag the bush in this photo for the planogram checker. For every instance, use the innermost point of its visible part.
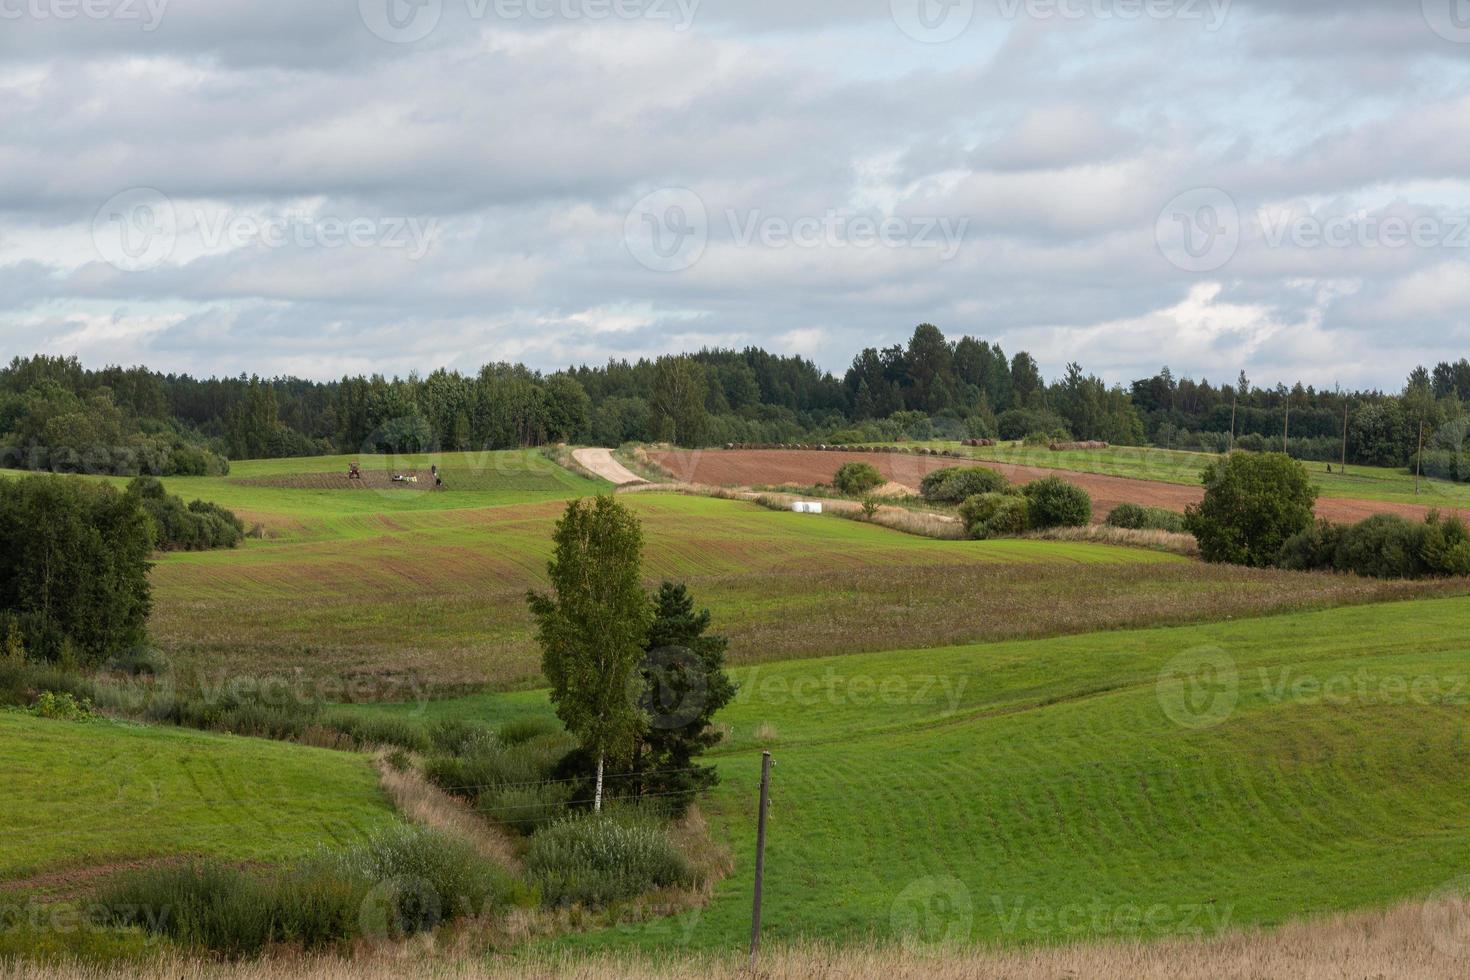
(1446, 546)
(1383, 546)
(957, 484)
(1056, 503)
(598, 859)
(526, 809)
(1253, 504)
(856, 479)
(1314, 549)
(63, 707)
(995, 515)
(1136, 518)
(413, 878)
(1017, 423)
(200, 526)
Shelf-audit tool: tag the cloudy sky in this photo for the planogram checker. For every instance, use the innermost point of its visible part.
(332, 186)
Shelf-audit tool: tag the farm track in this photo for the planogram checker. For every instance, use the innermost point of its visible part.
(809, 467)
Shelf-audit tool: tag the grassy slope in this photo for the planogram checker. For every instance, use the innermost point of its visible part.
(1045, 775)
(439, 594)
(88, 793)
(1173, 466)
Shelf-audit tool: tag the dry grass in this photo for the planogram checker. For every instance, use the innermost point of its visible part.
(1415, 941)
(1174, 544)
(423, 803)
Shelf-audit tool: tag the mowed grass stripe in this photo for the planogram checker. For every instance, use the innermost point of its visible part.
(1054, 777)
(90, 793)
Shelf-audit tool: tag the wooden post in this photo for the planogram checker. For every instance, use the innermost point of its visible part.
(1419, 459)
(760, 858)
(1344, 437)
(1233, 403)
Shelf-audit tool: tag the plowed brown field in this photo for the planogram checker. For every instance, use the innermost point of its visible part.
(743, 467)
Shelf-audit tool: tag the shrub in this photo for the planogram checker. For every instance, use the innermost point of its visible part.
(1446, 546)
(200, 526)
(1253, 504)
(414, 878)
(995, 515)
(1136, 518)
(523, 730)
(957, 484)
(378, 730)
(526, 809)
(856, 479)
(598, 859)
(1383, 546)
(1056, 503)
(1314, 549)
(63, 707)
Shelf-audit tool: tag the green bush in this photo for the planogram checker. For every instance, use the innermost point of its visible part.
(523, 730)
(403, 880)
(995, 515)
(598, 859)
(856, 479)
(1253, 504)
(1056, 503)
(1446, 546)
(1135, 518)
(1314, 549)
(200, 526)
(1383, 546)
(526, 809)
(957, 484)
(63, 707)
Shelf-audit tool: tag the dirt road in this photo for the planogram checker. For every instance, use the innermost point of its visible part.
(743, 467)
(601, 462)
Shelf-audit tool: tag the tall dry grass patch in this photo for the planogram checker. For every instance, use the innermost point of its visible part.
(1414, 941)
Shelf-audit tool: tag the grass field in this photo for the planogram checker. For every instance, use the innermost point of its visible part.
(1174, 466)
(1047, 791)
(90, 793)
(433, 598)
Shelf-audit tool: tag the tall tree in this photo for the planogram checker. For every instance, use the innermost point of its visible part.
(677, 400)
(592, 625)
(683, 684)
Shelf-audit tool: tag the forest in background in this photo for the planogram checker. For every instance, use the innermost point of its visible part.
(57, 415)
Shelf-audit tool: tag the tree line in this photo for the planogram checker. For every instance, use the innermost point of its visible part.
(57, 415)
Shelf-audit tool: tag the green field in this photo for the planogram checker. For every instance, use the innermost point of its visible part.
(94, 792)
(411, 592)
(1044, 777)
(1174, 466)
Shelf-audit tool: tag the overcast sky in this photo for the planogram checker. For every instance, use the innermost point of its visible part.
(334, 186)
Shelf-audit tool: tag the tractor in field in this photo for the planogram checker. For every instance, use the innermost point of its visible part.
(354, 471)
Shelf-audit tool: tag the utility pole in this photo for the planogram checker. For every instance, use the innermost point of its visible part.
(1286, 430)
(1419, 458)
(1344, 436)
(1233, 403)
(760, 858)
